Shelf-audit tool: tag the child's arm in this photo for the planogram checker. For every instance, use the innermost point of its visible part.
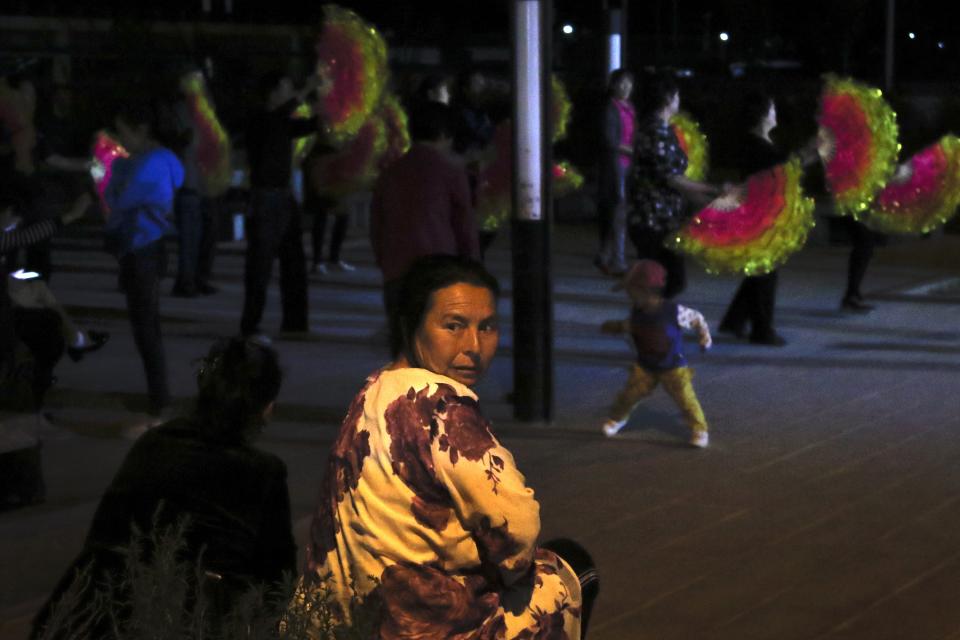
(692, 319)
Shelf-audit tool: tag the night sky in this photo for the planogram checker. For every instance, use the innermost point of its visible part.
(845, 36)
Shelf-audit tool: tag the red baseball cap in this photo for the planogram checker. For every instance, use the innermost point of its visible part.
(648, 274)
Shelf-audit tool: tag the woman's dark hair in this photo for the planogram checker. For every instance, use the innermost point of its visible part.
(237, 380)
(656, 93)
(269, 81)
(462, 85)
(430, 121)
(428, 275)
(615, 77)
(136, 112)
(756, 104)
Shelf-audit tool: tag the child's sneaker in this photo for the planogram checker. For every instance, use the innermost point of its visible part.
(611, 426)
(700, 439)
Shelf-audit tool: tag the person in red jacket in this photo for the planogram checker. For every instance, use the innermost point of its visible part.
(421, 206)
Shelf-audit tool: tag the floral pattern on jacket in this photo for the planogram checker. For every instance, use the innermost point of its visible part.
(657, 156)
(423, 509)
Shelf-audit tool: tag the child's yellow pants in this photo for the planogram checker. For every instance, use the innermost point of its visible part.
(676, 382)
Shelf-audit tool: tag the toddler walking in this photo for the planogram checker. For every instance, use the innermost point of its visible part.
(656, 326)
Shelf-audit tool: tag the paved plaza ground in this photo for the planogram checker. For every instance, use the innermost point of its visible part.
(827, 506)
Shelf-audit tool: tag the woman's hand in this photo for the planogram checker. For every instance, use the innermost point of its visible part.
(809, 152)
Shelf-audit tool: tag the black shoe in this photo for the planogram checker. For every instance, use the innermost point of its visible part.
(207, 289)
(729, 329)
(598, 263)
(773, 339)
(96, 340)
(855, 304)
(184, 292)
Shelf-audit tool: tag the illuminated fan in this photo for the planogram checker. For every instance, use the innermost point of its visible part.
(694, 144)
(105, 151)
(213, 143)
(754, 229)
(857, 143)
(923, 194)
(356, 58)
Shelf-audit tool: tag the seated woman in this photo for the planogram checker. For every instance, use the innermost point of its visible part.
(29, 313)
(422, 511)
(203, 467)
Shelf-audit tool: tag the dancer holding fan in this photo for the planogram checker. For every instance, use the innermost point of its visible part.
(662, 193)
(858, 145)
(755, 300)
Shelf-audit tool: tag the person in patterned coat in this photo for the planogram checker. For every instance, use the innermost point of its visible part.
(656, 328)
(422, 510)
(663, 197)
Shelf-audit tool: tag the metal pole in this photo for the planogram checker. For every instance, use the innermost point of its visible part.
(614, 40)
(532, 299)
(888, 58)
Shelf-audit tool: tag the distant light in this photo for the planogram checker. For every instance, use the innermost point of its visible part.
(568, 29)
(912, 35)
(724, 36)
(940, 45)
(613, 52)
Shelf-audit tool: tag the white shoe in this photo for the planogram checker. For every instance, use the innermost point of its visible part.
(341, 266)
(612, 427)
(700, 439)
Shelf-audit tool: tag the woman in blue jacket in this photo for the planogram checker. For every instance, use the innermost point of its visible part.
(140, 197)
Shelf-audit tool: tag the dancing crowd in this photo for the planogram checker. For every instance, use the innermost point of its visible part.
(422, 512)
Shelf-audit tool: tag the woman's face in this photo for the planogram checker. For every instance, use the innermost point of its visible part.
(673, 105)
(441, 94)
(770, 119)
(459, 333)
(624, 88)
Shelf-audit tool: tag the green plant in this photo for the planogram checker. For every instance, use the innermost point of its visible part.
(162, 594)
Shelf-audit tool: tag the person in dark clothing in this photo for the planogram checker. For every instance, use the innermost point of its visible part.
(321, 209)
(472, 135)
(197, 200)
(62, 161)
(39, 330)
(663, 197)
(273, 226)
(201, 468)
(863, 240)
(755, 299)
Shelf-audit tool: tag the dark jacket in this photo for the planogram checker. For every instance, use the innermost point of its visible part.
(269, 148)
(756, 154)
(234, 496)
